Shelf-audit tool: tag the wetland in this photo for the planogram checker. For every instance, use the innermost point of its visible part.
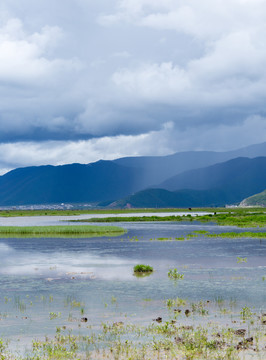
(78, 298)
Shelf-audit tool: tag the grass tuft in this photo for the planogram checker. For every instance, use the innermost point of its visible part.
(140, 268)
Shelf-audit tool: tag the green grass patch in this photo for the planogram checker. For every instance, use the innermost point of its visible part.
(246, 234)
(141, 268)
(58, 231)
(240, 218)
(133, 219)
(231, 234)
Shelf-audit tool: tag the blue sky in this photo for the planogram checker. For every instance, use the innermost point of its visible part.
(82, 80)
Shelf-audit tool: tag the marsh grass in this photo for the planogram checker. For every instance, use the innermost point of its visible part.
(238, 336)
(57, 231)
(230, 235)
(246, 234)
(133, 219)
(72, 212)
(175, 275)
(241, 217)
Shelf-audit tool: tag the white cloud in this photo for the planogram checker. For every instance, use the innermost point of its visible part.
(231, 72)
(156, 82)
(22, 55)
(156, 143)
(201, 19)
(196, 64)
(65, 152)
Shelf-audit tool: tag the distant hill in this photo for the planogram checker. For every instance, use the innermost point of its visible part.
(243, 174)
(156, 169)
(255, 200)
(160, 198)
(73, 183)
(217, 185)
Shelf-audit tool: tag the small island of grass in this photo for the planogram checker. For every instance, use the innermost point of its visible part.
(60, 231)
(140, 268)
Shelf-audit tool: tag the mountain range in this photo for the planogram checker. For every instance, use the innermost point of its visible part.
(217, 185)
(195, 178)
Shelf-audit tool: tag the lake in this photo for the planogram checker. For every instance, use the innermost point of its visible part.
(46, 282)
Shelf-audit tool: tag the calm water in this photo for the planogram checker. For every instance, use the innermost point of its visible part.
(41, 277)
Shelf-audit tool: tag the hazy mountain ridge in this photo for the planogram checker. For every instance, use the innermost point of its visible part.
(106, 181)
(221, 174)
(157, 169)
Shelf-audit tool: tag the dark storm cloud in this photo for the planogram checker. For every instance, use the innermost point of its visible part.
(122, 71)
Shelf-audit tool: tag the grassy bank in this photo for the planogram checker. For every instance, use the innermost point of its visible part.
(53, 212)
(114, 219)
(13, 213)
(240, 218)
(57, 231)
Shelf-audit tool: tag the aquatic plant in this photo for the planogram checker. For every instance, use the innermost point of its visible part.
(113, 300)
(54, 315)
(175, 302)
(19, 304)
(246, 313)
(199, 308)
(174, 274)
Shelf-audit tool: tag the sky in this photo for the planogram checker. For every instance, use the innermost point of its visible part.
(83, 80)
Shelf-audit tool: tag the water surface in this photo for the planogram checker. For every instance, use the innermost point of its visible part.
(94, 277)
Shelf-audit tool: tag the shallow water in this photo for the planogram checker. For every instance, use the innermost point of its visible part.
(57, 220)
(42, 277)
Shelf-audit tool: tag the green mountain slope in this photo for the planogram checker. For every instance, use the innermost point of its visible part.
(255, 200)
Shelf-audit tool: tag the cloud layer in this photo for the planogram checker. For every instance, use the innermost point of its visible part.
(93, 80)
